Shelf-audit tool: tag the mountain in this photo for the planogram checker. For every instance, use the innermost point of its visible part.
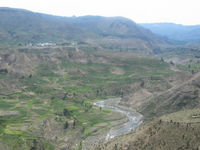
(48, 93)
(24, 27)
(176, 118)
(175, 31)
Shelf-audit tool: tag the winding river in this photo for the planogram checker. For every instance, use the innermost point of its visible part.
(134, 119)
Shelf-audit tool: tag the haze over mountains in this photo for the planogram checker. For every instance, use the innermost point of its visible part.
(18, 25)
(176, 32)
(28, 27)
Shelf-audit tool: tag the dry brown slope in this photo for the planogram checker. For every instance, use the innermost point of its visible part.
(158, 135)
(181, 96)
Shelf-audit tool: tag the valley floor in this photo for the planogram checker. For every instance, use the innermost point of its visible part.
(47, 96)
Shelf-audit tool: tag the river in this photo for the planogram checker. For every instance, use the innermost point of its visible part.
(134, 119)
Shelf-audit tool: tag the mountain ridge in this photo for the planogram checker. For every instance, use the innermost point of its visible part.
(178, 32)
(23, 26)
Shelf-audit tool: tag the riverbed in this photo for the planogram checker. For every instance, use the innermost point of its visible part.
(134, 118)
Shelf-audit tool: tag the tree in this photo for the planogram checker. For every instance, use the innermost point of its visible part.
(100, 108)
(74, 124)
(171, 62)
(66, 112)
(30, 76)
(196, 93)
(192, 71)
(66, 125)
(4, 71)
(19, 44)
(142, 84)
(97, 92)
(115, 147)
(35, 143)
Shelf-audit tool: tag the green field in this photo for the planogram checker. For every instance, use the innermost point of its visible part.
(63, 92)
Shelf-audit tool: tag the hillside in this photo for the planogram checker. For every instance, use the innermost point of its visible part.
(176, 32)
(159, 134)
(47, 94)
(54, 70)
(177, 92)
(180, 97)
(23, 27)
(171, 118)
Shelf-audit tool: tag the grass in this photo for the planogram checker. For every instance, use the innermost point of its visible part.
(75, 89)
(5, 105)
(190, 66)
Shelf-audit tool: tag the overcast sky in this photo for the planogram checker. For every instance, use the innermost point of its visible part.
(141, 11)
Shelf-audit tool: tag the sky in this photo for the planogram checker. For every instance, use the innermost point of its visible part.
(185, 12)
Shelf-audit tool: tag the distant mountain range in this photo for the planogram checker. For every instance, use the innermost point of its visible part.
(175, 31)
(24, 27)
